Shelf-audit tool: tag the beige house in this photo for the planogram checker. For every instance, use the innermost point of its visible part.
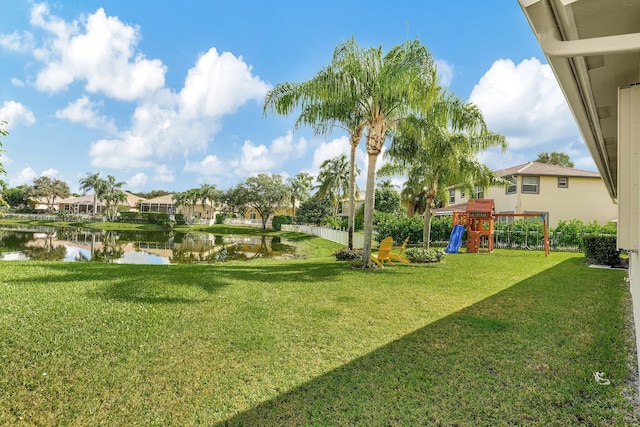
(167, 204)
(593, 48)
(561, 193)
(84, 204)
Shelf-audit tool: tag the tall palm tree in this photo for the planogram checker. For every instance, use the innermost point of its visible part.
(436, 153)
(367, 90)
(209, 194)
(112, 194)
(333, 180)
(93, 182)
(300, 186)
(324, 108)
(388, 88)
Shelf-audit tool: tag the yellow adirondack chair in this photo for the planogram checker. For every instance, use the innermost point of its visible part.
(398, 256)
(384, 250)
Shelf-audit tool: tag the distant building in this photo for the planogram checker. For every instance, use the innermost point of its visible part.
(561, 193)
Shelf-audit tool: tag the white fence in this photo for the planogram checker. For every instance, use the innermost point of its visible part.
(337, 236)
(246, 222)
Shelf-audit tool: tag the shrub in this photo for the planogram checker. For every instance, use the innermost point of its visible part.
(601, 249)
(346, 254)
(330, 221)
(278, 220)
(221, 217)
(421, 255)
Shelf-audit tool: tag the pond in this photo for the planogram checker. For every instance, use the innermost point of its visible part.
(135, 247)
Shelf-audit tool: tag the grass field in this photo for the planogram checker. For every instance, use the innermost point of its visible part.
(509, 338)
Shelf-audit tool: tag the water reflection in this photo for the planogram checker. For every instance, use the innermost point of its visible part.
(135, 247)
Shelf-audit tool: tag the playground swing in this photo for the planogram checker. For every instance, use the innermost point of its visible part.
(478, 220)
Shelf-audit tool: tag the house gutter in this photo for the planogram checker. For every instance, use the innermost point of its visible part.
(606, 45)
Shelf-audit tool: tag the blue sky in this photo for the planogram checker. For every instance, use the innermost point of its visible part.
(167, 95)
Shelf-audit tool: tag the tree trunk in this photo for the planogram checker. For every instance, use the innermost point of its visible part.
(352, 194)
(369, 204)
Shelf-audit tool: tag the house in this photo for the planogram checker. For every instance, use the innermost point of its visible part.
(167, 204)
(593, 49)
(85, 204)
(558, 192)
(163, 204)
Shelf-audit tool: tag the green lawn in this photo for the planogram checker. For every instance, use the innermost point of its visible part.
(509, 338)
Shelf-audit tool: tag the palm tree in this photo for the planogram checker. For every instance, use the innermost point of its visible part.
(300, 186)
(366, 90)
(323, 108)
(436, 154)
(93, 182)
(112, 195)
(333, 180)
(208, 193)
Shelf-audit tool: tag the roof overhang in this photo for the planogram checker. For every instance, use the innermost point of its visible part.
(593, 47)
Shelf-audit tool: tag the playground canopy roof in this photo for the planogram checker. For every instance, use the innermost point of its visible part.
(481, 206)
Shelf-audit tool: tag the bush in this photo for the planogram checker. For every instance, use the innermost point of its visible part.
(601, 249)
(278, 220)
(330, 221)
(221, 217)
(346, 254)
(421, 255)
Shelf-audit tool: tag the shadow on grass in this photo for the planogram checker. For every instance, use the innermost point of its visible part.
(524, 356)
(170, 283)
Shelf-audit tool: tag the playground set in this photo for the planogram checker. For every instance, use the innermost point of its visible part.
(478, 220)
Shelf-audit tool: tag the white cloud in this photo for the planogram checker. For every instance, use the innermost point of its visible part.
(138, 180)
(163, 174)
(17, 42)
(262, 159)
(14, 113)
(329, 150)
(101, 51)
(218, 85)
(525, 103)
(27, 175)
(17, 82)
(83, 111)
(210, 165)
(445, 72)
(51, 173)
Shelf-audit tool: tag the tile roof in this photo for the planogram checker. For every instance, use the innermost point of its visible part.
(535, 168)
(167, 199)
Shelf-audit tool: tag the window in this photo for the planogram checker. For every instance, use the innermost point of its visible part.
(452, 196)
(462, 194)
(479, 192)
(563, 182)
(513, 185)
(252, 215)
(530, 184)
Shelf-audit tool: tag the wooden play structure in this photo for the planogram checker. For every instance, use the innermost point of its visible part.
(478, 221)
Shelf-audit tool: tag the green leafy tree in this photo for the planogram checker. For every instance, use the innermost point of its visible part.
(300, 187)
(314, 210)
(235, 202)
(554, 158)
(265, 193)
(50, 190)
(17, 197)
(94, 182)
(388, 200)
